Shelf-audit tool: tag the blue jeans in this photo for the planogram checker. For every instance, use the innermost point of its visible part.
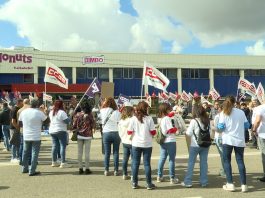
(21, 151)
(127, 151)
(136, 156)
(6, 135)
(59, 141)
(14, 148)
(167, 149)
(34, 147)
(110, 138)
(239, 151)
(219, 145)
(203, 153)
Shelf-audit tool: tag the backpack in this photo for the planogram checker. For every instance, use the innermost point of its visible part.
(204, 137)
(160, 137)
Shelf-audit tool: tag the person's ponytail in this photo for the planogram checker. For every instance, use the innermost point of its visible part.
(228, 105)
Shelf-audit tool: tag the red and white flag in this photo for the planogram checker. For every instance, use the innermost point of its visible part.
(247, 86)
(214, 94)
(172, 96)
(191, 96)
(153, 77)
(260, 93)
(55, 75)
(47, 97)
(164, 96)
(148, 99)
(185, 96)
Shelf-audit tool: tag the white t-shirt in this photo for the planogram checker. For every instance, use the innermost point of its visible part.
(194, 127)
(57, 122)
(234, 133)
(166, 124)
(253, 118)
(260, 110)
(32, 122)
(141, 136)
(112, 123)
(123, 131)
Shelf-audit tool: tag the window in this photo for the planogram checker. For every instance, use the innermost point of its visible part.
(81, 73)
(41, 72)
(137, 72)
(117, 73)
(172, 73)
(195, 73)
(226, 72)
(28, 78)
(164, 71)
(67, 72)
(103, 73)
(127, 73)
(92, 73)
(254, 72)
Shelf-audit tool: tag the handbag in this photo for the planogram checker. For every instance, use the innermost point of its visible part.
(160, 137)
(74, 135)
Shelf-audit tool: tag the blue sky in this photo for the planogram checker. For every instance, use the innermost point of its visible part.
(174, 32)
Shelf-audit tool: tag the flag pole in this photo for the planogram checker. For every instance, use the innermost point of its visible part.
(84, 95)
(45, 90)
(143, 84)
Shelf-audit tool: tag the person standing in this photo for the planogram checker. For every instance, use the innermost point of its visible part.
(31, 119)
(110, 117)
(14, 128)
(259, 131)
(85, 125)
(142, 129)
(200, 121)
(58, 132)
(168, 148)
(233, 122)
(5, 124)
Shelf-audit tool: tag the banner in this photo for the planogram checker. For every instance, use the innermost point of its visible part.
(191, 96)
(214, 94)
(153, 77)
(241, 95)
(260, 93)
(47, 97)
(185, 96)
(55, 75)
(122, 99)
(247, 86)
(94, 87)
(172, 96)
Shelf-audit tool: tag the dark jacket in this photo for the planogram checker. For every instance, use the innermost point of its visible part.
(84, 124)
(5, 117)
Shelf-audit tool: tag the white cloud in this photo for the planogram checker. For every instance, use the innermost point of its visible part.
(257, 49)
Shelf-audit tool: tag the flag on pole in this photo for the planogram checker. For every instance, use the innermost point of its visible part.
(47, 97)
(17, 94)
(185, 96)
(122, 99)
(191, 96)
(55, 75)
(93, 88)
(214, 94)
(247, 86)
(172, 96)
(260, 93)
(148, 100)
(153, 77)
(164, 96)
(241, 95)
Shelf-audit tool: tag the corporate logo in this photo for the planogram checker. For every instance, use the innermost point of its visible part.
(53, 72)
(15, 58)
(93, 59)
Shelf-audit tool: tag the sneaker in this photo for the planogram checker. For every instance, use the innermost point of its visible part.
(125, 177)
(88, 171)
(65, 165)
(81, 171)
(174, 180)
(159, 179)
(244, 188)
(116, 173)
(35, 173)
(106, 173)
(14, 161)
(150, 187)
(186, 185)
(135, 186)
(55, 164)
(229, 187)
(262, 179)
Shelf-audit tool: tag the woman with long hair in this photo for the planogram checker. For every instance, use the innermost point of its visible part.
(233, 122)
(200, 120)
(168, 148)
(126, 114)
(142, 129)
(85, 125)
(110, 117)
(58, 131)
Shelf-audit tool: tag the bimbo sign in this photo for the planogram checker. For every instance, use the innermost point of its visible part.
(15, 58)
(93, 59)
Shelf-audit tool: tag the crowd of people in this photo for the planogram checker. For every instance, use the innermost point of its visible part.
(231, 125)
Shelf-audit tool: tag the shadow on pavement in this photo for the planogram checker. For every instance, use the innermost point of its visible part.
(4, 187)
